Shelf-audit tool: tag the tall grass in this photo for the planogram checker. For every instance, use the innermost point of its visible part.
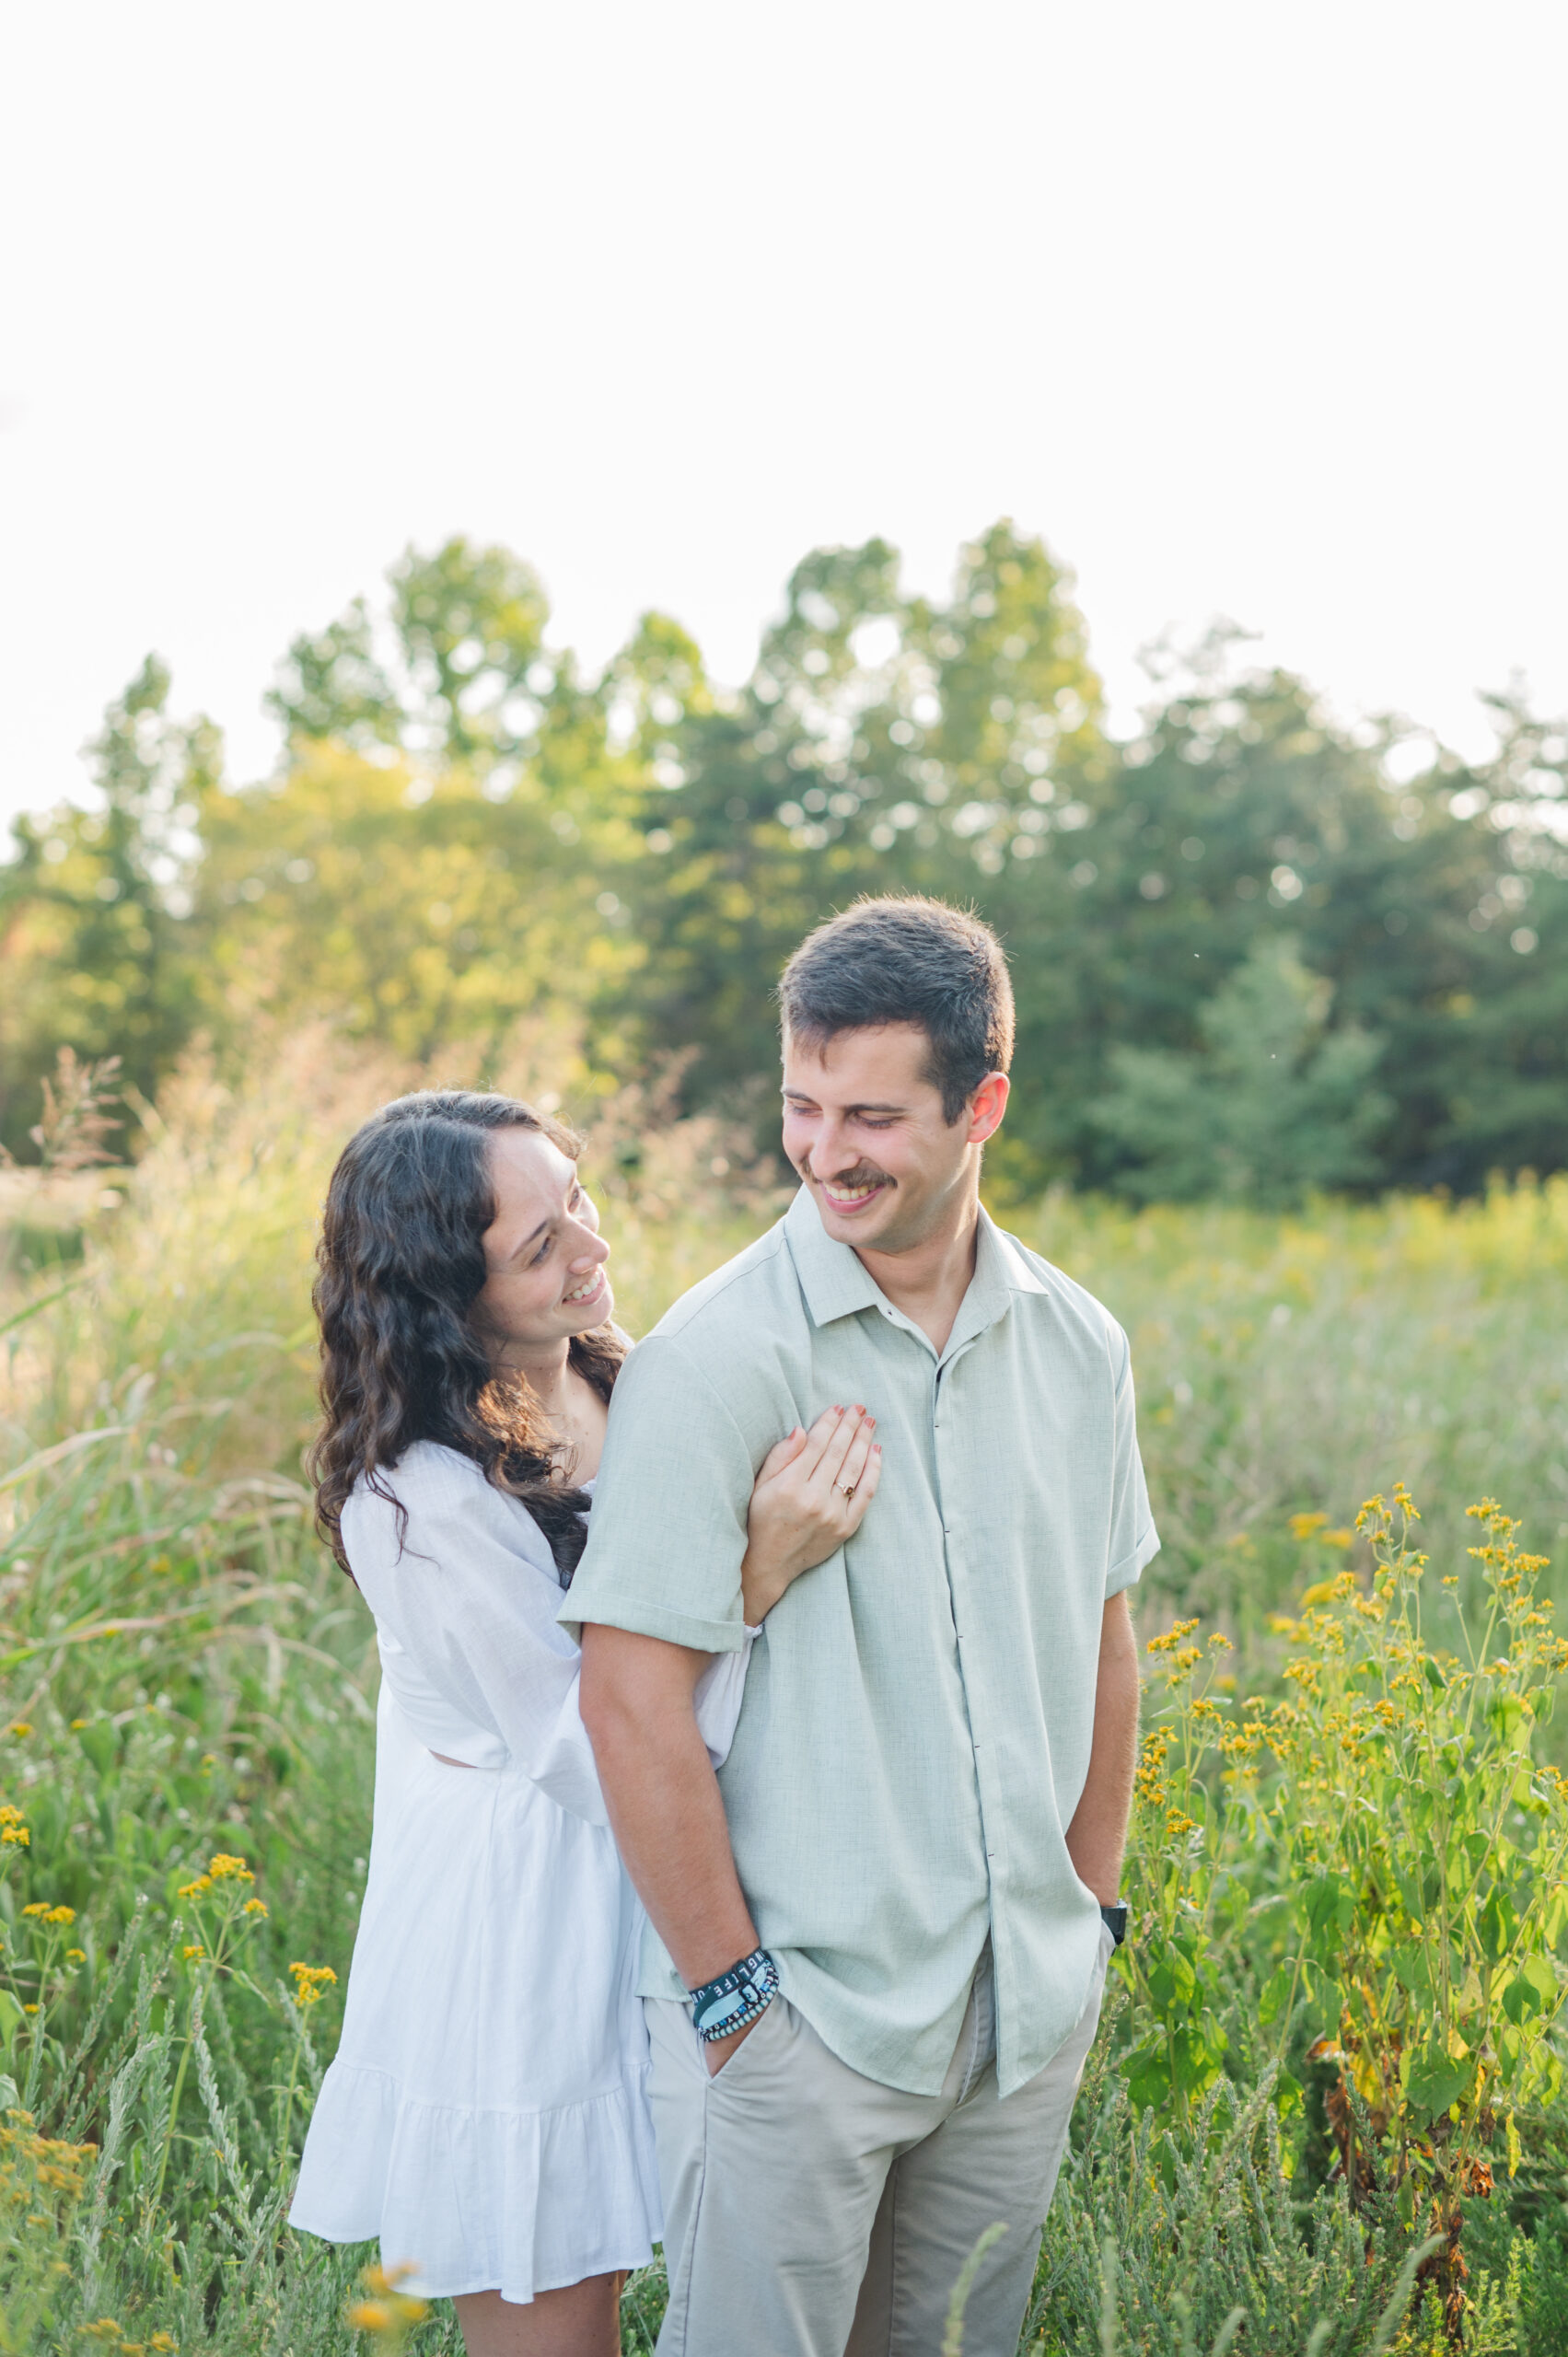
(186, 1676)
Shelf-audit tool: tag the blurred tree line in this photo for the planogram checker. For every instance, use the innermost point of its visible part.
(1255, 952)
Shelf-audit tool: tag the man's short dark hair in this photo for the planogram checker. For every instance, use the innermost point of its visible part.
(909, 960)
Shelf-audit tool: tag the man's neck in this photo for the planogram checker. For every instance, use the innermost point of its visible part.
(929, 1281)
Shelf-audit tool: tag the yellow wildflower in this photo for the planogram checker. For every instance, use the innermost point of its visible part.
(21, 1727)
(78, 1724)
(194, 1889)
(75, 1955)
(255, 1907)
(193, 1953)
(37, 1906)
(30, 2009)
(223, 1868)
(311, 1984)
(61, 1915)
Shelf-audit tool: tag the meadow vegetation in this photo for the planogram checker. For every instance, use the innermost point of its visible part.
(1331, 2055)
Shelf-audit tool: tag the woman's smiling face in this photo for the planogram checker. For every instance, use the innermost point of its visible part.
(544, 1257)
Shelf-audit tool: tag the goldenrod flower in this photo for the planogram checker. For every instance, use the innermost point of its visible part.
(37, 1906)
(194, 1889)
(224, 1868)
(255, 1907)
(21, 1727)
(311, 1984)
(61, 1915)
(1172, 1637)
(193, 1953)
(75, 1955)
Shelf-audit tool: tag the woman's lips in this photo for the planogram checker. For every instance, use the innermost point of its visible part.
(585, 1300)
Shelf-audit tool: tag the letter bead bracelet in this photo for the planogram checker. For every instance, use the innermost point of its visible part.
(737, 1999)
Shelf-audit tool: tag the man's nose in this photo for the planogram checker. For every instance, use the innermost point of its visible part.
(832, 1151)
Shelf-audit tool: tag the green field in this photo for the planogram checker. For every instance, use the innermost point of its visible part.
(187, 1675)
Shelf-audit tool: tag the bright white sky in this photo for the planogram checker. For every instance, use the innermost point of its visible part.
(1254, 310)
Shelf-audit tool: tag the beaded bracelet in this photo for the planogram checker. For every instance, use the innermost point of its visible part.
(736, 1999)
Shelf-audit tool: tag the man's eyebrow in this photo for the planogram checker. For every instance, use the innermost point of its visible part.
(802, 1096)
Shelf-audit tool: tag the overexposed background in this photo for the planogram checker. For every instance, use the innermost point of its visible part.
(1254, 311)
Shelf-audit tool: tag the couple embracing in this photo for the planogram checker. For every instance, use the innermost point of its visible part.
(758, 1889)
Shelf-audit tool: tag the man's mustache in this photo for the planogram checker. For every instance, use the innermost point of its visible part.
(867, 1175)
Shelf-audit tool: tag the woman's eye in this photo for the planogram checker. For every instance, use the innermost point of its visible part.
(542, 1253)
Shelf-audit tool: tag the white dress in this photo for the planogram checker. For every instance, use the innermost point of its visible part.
(486, 2114)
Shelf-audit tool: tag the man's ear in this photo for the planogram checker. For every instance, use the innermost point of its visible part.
(986, 1108)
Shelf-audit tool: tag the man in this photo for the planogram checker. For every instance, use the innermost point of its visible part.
(879, 1937)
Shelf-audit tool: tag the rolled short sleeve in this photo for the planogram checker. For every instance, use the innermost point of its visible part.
(668, 1531)
(1134, 1540)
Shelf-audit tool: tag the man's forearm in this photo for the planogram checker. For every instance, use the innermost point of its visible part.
(1098, 1835)
(663, 1798)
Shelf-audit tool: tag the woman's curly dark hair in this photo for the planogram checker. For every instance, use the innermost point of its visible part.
(401, 1264)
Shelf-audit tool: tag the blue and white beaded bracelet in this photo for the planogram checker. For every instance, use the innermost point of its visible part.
(736, 1999)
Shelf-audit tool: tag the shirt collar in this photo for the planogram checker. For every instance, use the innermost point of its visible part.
(837, 1284)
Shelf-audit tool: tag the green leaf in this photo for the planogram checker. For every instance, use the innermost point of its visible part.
(1533, 1989)
(1435, 2081)
(11, 2016)
(1496, 1925)
(1276, 1994)
(1409, 1969)
(1288, 2096)
(1148, 2076)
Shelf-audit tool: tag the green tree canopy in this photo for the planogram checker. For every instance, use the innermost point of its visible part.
(1254, 949)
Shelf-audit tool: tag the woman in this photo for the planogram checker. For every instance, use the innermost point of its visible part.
(484, 2117)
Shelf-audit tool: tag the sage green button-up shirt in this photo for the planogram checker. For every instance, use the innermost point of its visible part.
(918, 1713)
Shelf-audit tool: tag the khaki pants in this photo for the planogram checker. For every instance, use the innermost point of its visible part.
(811, 2212)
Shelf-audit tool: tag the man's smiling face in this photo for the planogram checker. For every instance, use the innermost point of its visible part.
(864, 1126)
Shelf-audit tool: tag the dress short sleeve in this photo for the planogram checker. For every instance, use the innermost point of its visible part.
(467, 1590)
